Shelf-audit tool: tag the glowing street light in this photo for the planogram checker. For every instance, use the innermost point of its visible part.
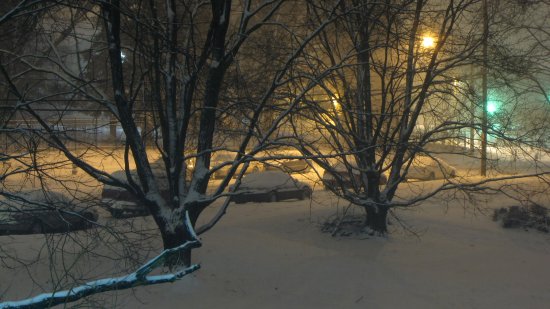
(336, 104)
(428, 41)
(492, 107)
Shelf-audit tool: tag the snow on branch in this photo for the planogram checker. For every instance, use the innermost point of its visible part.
(137, 278)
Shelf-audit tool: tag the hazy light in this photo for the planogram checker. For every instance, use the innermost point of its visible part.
(336, 104)
(492, 107)
(428, 41)
(122, 56)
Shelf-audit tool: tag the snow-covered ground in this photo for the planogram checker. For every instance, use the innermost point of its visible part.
(274, 255)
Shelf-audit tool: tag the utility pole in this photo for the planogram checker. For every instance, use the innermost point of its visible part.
(484, 91)
(473, 113)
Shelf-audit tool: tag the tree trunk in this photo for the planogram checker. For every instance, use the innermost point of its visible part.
(172, 239)
(377, 218)
(376, 214)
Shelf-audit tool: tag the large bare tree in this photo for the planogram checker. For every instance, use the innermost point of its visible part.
(182, 79)
(398, 77)
(349, 83)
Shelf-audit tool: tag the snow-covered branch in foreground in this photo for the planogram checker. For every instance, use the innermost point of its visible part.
(137, 278)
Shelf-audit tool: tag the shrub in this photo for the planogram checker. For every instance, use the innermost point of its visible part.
(531, 216)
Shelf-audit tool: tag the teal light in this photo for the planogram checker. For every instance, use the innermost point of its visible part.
(493, 103)
(492, 107)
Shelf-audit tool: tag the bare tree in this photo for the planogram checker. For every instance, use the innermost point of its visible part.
(170, 62)
(352, 84)
(395, 81)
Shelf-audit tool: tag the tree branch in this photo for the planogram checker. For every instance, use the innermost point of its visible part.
(137, 278)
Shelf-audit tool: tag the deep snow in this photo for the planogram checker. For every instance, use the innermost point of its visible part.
(273, 255)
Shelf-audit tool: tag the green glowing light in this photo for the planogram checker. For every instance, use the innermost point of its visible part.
(494, 102)
(492, 107)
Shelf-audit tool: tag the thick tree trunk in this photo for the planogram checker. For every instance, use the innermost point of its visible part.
(377, 218)
(376, 213)
(172, 239)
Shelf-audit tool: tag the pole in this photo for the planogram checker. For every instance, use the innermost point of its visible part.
(473, 115)
(484, 89)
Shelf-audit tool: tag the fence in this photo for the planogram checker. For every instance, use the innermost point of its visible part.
(74, 132)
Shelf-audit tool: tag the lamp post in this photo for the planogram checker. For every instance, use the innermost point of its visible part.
(484, 93)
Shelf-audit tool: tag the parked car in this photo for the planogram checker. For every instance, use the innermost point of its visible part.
(220, 158)
(288, 165)
(269, 186)
(226, 157)
(429, 168)
(339, 175)
(122, 204)
(36, 212)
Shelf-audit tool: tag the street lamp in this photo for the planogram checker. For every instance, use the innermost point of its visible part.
(428, 41)
(336, 105)
(492, 107)
(484, 95)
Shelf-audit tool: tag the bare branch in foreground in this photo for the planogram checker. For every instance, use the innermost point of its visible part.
(137, 278)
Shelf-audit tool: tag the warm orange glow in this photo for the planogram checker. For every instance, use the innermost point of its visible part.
(335, 104)
(428, 41)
